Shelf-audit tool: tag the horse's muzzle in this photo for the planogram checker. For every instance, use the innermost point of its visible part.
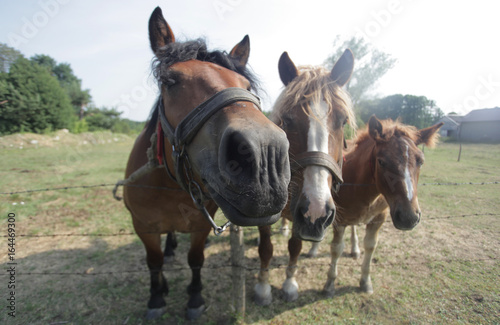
(312, 230)
(405, 220)
(254, 173)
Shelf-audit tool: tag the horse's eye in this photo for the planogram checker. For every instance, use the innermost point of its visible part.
(169, 82)
(344, 123)
(420, 161)
(381, 162)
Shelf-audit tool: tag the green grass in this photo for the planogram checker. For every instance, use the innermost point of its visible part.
(445, 271)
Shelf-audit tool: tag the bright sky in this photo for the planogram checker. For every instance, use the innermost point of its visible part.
(446, 50)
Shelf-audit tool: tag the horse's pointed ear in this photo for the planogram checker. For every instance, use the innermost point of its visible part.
(160, 33)
(375, 129)
(342, 70)
(287, 69)
(241, 51)
(429, 136)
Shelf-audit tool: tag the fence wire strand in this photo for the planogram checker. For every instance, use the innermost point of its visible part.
(63, 188)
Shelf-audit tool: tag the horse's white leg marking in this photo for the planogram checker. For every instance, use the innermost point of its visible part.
(262, 289)
(408, 181)
(313, 252)
(336, 249)
(370, 242)
(316, 187)
(355, 252)
(290, 286)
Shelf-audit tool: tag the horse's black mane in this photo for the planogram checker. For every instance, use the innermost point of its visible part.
(192, 50)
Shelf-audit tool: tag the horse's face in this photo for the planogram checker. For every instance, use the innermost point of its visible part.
(397, 167)
(239, 156)
(314, 126)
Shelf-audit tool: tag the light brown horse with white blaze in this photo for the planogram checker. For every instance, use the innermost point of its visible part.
(218, 149)
(312, 110)
(381, 176)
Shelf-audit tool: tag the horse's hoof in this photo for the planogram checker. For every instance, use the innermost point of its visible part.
(195, 313)
(366, 286)
(155, 313)
(290, 296)
(355, 255)
(329, 289)
(263, 295)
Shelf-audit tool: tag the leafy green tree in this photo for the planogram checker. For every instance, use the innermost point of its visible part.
(35, 100)
(370, 65)
(68, 80)
(101, 118)
(8, 56)
(414, 110)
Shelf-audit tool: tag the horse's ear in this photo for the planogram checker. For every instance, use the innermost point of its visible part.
(160, 33)
(241, 51)
(342, 70)
(375, 129)
(287, 69)
(429, 136)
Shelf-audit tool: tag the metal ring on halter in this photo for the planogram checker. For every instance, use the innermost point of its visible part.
(198, 201)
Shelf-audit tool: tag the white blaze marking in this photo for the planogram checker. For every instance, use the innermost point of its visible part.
(316, 187)
(408, 181)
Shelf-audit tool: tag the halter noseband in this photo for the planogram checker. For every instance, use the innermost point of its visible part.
(319, 158)
(183, 134)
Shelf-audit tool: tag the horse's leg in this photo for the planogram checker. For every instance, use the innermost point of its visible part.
(159, 286)
(313, 252)
(290, 286)
(196, 257)
(370, 243)
(285, 231)
(262, 289)
(355, 252)
(336, 249)
(170, 246)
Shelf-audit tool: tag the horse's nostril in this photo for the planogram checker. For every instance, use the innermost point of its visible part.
(237, 155)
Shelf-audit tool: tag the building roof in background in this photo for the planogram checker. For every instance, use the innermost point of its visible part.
(483, 115)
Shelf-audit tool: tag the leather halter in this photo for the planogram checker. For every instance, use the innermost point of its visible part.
(319, 158)
(181, 136)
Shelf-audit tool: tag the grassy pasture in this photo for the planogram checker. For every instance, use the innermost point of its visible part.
(446, 271)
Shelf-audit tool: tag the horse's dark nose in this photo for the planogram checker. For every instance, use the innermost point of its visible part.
(310, 225)
(254, 165)
(406, 220)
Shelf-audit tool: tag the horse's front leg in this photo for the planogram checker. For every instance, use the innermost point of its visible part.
(262, 289)
(336, 249)
(370, 243)
(159, 286)
(355, 252)
(290, 286)
(196, 257)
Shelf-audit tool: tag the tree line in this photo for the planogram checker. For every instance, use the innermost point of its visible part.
(371, 64)
(40, 95)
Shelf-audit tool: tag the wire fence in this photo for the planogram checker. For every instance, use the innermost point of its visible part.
(171, 268)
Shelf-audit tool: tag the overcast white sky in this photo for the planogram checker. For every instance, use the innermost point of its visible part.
(448, 51)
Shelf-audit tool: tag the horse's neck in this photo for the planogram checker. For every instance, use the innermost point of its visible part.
(360, 165)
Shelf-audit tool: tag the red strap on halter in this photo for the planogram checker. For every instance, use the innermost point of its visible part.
(159, 144)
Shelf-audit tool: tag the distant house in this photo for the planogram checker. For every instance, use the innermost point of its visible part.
(481, 125)
(450, 126)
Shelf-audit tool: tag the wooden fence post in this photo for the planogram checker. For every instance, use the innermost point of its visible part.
(238, 269)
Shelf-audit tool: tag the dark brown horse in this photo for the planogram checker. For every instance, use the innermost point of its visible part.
(216, 148)
(312, 110)
(381, 176)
